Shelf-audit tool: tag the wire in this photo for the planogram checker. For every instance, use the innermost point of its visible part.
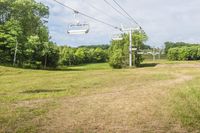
(94, 7)
(129, 16)
(98, 9)
(116, 9)
(83, 14)
(126, 12)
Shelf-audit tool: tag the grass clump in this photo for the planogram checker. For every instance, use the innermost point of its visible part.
(186, 105)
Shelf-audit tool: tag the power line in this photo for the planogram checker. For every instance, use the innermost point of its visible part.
(116, 9)
(98, 9)
(113, 7)
(83, 14)
(126, 13)
(94, 7)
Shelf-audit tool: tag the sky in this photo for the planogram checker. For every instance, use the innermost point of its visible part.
(162, 20)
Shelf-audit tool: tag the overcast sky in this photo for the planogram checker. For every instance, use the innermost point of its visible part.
(162, 20)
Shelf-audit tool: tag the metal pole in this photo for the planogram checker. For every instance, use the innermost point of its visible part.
(154, 58)
(159, 54)
(135, 51)
(15, 55)
(130, 49)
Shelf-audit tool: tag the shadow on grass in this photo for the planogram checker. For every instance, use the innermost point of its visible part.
(43, 91)
(65, 69)
(47, 69)
(80, 67)
(148, 65)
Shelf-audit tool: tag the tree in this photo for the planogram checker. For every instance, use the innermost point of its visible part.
(184, 53)
(67, 56)
(50, 55)
(116, 60)
(103, 46)
(22, 22)
(30, 14)
(76, 56)
(40, 54)
(169, 45)
(80, 56)
(5, 10)
(10, 33)
(99, 55)
(123, 46)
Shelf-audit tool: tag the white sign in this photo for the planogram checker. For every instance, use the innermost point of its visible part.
(140, 52)
(134, 49)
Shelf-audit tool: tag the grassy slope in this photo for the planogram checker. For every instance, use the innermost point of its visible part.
(26, 96)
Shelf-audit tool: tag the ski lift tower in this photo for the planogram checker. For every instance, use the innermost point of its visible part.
(131, 49)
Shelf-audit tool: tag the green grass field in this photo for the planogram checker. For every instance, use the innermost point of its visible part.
(161, 96)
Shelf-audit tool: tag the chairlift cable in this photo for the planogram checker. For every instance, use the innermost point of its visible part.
(126, 13)
(117, 10)
(129, 15)
(83, 14)
(98, 9)
(94, 7)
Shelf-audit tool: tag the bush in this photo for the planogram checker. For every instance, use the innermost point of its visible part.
(184, 53)
(116, 60)
(83, 55)
(169, 45)
(38, 64)
(119, 50)
(138, 60)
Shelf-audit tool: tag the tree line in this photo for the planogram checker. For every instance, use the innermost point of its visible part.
(82, 55)
(182, 51)
(169, 45)
(24, 34)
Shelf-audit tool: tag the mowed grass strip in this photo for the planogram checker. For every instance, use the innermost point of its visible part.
(26, 96)
(19, 84)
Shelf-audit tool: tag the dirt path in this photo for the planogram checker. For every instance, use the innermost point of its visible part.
(138, 109)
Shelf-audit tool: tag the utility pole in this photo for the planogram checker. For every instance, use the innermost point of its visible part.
(154, 54)
(129, 30)
(159, 54)
(130, 49)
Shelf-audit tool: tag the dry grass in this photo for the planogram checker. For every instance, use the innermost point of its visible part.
(139, 109)
(96, 101)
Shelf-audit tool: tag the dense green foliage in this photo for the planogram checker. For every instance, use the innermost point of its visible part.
(119, 50)
(184, 53)
(74, 56)
(103, 46)
(169, 45)
(23, 31)
(24, 35)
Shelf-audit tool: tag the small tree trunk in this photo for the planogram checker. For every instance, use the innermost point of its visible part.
(45, 62)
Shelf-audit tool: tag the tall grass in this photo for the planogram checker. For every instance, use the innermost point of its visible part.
(186, 105)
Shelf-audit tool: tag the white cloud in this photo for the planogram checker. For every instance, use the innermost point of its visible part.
(172, 20)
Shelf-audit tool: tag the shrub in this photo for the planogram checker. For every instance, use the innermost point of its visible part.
(116, 60)
(83, 55)
(184, 53)
(173, 54)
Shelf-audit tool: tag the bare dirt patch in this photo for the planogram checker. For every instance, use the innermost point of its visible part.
(139, 108)
(31, 103)
(192, 65)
